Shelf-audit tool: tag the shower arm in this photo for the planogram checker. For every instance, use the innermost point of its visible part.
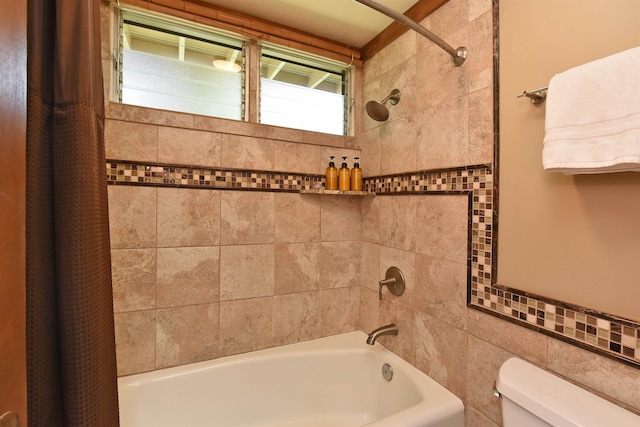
(458, 56)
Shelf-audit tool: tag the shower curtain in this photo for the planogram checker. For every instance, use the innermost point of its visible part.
(71, 367)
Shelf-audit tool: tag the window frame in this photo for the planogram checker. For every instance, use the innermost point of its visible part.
(252, 48)
(314, 62)
(191, 31)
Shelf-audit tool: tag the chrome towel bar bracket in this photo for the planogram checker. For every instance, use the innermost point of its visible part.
(536, 96)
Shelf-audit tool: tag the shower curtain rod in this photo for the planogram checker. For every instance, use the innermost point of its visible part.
(458, 56)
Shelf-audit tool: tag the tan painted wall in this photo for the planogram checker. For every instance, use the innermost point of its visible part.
(574, 239)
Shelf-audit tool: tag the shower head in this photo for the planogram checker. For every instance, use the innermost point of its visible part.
(378, 111)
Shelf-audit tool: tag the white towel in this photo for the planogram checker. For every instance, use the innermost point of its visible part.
(592, 120)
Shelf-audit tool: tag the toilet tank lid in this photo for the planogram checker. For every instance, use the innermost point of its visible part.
(556, 401)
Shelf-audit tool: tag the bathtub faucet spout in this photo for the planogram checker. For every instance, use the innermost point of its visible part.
(390, 329)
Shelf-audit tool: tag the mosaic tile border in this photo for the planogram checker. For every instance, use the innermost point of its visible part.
(614, 336)
(164, 175)
(457, 180)
(598, 332)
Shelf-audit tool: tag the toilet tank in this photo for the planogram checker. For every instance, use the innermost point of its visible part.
(532, 397)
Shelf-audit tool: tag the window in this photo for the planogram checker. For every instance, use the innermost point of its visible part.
(170, 64)
(302, 92)
(176, 67)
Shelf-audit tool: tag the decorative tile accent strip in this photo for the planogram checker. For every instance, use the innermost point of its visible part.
(449, 180)
(119, 172)
(597, 332)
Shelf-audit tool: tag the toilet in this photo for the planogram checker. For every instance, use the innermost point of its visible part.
(532, 397)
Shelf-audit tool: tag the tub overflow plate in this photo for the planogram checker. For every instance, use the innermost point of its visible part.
(387, 372)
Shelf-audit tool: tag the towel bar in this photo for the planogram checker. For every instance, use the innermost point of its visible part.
(537, 96)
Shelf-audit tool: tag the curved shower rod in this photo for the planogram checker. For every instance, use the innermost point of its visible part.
(458, 56)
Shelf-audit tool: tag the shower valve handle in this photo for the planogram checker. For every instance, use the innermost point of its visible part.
(386, 282)
(394, 280)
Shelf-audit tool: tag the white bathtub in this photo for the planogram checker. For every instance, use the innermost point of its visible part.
(329, 382)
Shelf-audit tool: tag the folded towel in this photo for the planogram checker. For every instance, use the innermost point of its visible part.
(592, 120)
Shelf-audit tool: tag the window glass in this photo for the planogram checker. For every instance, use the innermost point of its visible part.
(302, 92)
(167, 65)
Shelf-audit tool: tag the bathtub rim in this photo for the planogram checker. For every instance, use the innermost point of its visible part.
(441, 403)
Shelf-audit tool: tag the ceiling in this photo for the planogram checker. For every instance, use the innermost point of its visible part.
(345, 21)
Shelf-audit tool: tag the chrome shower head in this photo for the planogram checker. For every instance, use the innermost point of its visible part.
(378, 111)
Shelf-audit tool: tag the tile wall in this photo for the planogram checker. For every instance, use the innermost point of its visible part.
(201, 270)
(447, 121)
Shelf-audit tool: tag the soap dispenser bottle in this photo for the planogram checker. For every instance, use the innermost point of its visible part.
(331, 182)
(356, 175)
(344, 176)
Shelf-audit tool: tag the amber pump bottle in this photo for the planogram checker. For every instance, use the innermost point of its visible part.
(331, 182)
(344, 176)
(356, 175)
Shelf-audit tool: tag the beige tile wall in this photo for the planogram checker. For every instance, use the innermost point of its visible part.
(444, 119)
(200, 274)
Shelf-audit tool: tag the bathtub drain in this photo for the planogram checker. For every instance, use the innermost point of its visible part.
(387, 372)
